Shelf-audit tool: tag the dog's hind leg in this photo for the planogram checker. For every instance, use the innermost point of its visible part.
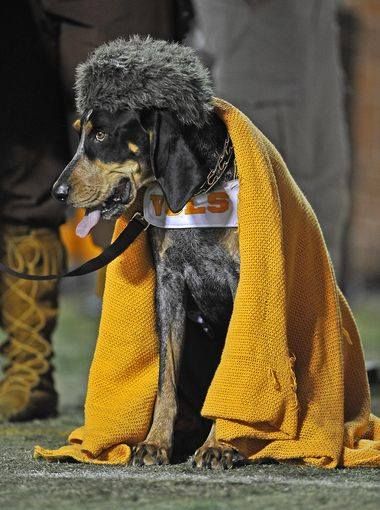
(170, 308)
(214, 454)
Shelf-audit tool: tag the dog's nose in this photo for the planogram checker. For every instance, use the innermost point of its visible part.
(61, 191)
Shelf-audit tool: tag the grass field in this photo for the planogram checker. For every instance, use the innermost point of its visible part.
(28, 484)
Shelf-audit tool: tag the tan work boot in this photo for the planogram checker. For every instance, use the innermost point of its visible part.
(28, 311)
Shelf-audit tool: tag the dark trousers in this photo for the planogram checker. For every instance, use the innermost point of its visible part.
(278, 61)
(42, 42)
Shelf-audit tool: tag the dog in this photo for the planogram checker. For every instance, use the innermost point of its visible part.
(122, 150)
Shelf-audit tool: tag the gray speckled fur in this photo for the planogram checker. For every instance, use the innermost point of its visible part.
(194, 263)
(142, 73)
(195, 272)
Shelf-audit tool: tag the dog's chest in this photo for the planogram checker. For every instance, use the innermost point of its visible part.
(207, 260)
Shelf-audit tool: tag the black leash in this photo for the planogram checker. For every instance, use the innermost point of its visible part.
(136, 225)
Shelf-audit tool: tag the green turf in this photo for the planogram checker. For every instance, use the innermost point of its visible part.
(28, 484)
(367, 314)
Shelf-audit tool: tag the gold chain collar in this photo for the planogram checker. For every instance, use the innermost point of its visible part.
(221, 166)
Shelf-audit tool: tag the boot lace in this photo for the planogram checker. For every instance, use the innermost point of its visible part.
(26, 307)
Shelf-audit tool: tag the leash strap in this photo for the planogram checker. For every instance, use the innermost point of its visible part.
(136, 225)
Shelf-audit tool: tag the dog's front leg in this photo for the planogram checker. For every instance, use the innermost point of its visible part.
(170, 310)
(214, 454)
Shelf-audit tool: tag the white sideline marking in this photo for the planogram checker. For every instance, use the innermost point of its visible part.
(183, 477)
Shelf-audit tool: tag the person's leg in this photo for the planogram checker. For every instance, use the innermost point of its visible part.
(279, 63)
(29, 312)
(56, 37)
(33, 152)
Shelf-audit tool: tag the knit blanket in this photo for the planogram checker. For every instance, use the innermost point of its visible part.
(291, 383)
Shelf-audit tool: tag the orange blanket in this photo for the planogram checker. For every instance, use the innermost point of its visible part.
(291, 383)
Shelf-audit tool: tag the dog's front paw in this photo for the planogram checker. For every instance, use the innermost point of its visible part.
(146, 454)
(216, 456)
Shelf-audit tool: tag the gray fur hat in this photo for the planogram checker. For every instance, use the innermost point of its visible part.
(143, 73)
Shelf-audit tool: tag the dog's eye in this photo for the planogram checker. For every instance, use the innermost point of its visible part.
(100, 136)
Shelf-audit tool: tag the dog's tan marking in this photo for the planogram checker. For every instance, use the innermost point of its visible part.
(92, 182)
(133, 147)
(230, 241)
(166, 406)
(88, 184)
(157, 447)
(88, 127)
(163, 241)
(165, 244)
(76, 125)
(126, 167)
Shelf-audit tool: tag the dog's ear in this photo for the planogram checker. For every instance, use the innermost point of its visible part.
(174, 163)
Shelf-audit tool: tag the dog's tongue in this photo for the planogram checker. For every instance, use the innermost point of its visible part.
(87, 223)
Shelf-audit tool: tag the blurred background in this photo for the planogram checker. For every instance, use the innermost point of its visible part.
(307, 73)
